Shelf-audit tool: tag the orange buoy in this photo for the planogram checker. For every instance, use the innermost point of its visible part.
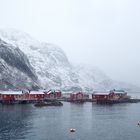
(72, 130)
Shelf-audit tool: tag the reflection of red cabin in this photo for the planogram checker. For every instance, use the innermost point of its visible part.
(53, 94)
(78, 96)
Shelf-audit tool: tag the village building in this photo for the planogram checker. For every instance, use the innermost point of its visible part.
(79, 96)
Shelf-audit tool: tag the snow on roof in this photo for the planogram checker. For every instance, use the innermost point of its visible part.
(11, 92)
(49, 92)
(101, 93)
(77, 93)
(36, 92)
(119, 92)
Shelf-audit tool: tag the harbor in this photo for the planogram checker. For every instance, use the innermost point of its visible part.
(42, 115)
(51, 97)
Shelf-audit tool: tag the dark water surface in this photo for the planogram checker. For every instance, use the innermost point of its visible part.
(91, 121)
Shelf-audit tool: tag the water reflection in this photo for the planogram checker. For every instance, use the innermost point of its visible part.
(15, 121)
(91, 121)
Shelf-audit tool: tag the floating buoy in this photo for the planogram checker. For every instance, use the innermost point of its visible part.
(138, 123)
(72, 130)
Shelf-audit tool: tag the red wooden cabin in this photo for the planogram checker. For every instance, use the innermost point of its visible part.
(36, 95)
(53, 94)
(78, 96)
(10, 95)
(102, 96)
(29, 96)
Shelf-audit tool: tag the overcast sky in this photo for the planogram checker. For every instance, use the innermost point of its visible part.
(103, 33)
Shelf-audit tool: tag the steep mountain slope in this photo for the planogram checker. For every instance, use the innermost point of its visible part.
(91, 77)
(49, 62)
(15, 69)
(46, 66)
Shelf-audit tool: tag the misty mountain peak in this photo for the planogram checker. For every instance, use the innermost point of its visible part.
(45, 65)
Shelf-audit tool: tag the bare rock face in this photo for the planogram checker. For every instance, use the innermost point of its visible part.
(15, 69)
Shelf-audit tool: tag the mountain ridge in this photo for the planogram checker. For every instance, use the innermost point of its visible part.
(46, 66)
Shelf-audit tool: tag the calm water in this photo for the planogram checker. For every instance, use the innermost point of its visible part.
(92, 122)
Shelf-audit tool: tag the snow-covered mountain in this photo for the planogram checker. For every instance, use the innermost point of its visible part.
(15, 69)
(28, 63)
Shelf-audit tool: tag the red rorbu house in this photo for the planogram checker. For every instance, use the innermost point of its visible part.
(78, 96)
(119, 94)
(113, 95)
(53, 94)
(36, 95)
(102, 96)
(10, 96)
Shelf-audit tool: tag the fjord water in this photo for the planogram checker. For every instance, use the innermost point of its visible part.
(91, 121)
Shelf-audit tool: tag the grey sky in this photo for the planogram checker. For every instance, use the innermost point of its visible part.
(104, 33)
